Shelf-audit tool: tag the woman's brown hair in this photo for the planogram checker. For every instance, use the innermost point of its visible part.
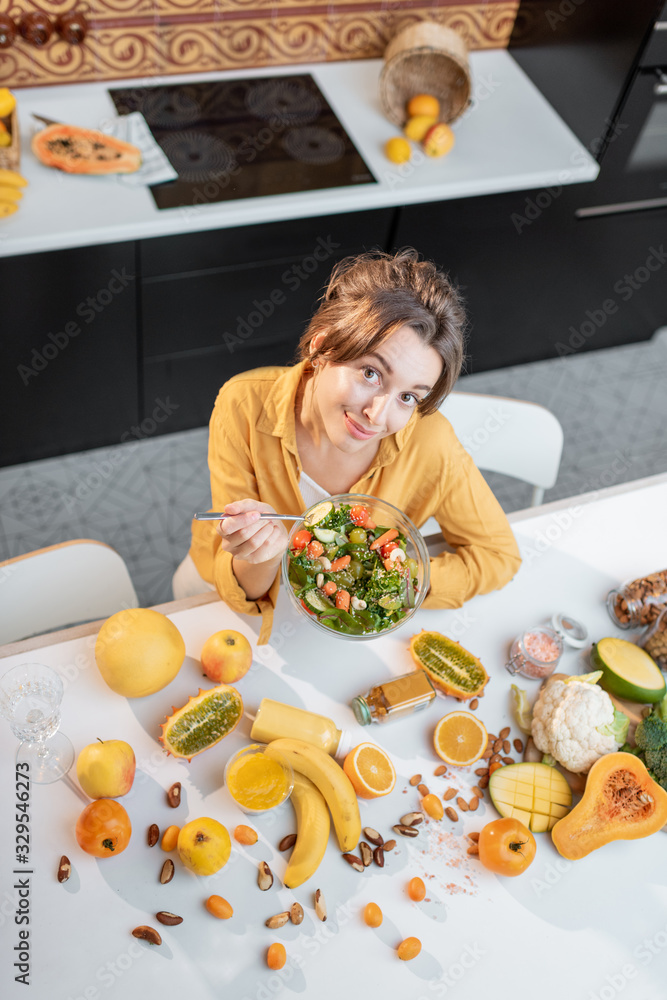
(371, 296)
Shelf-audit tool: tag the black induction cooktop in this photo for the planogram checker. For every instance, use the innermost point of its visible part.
(245, 138)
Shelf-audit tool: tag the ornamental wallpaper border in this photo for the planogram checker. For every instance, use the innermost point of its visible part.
(148, 38)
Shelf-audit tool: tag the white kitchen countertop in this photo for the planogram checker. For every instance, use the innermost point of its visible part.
(510, 139)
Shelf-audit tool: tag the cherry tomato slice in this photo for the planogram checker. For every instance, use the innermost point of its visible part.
(301, 539)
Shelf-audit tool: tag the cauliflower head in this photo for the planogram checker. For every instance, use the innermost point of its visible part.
(575, 722)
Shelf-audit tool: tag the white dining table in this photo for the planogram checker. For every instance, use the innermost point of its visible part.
(593, 929)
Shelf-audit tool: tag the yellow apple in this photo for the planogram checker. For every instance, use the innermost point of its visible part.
(204, 846)
(106, 769)
(226, 656)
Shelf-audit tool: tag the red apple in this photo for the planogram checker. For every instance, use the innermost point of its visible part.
(226, 656)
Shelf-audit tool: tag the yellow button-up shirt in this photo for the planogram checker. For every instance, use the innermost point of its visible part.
(423, 470)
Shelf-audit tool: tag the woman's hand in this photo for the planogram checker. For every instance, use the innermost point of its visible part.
(249, 539)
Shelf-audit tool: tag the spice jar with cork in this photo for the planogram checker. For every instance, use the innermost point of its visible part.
(638, 602)
(394, 699)
(535, 653)
(655, 641)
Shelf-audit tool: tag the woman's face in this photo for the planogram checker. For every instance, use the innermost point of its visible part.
(368, 399)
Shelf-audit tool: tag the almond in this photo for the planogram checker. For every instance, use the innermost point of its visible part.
(449, 794)
(504, 733)
(440, 770)
(462, 804)
(287, 842)
(507, 746)
(473, 850)
(474, 802)
(423, 790)
(518, 746)
(389, 845)
(473, 704)
(452, 813)
(415, 779)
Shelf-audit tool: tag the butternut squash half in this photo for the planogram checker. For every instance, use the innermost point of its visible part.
(621, 802)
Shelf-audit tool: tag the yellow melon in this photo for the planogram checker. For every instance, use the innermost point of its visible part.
(138, 652)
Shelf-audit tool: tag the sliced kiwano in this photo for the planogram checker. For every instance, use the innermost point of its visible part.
(84, 151)
(628, 671)
(536, 794)
(317, 514)
(202, 722)
(451, 667)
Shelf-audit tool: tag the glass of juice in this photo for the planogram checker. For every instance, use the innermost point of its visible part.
(256, 781)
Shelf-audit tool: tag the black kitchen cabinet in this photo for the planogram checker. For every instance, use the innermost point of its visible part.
(539, 282)
(217, 303)
(68, 350)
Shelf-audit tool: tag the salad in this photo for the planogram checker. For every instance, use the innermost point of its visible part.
(351, 574)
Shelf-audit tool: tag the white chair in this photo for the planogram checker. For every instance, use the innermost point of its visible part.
(62, 585)
(517, 438)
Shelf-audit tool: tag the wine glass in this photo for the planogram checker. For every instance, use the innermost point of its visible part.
(30, 697)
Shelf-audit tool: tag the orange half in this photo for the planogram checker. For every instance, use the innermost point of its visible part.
(460, 739)
(370, 770)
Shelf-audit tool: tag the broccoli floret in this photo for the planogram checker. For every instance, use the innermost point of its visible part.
(651, 733)
(651, 747)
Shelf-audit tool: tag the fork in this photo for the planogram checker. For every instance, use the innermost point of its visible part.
(212, 515)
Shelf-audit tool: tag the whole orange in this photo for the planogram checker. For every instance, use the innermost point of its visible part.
(103, 829)
(417, 127)
(423, 104)
(226, 656)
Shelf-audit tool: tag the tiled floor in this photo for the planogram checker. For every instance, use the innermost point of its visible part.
(139, 497)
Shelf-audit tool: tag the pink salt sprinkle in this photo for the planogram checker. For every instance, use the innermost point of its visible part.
(540, 646)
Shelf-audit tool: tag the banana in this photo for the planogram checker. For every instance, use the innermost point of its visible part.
(8, 193)
(333, 783)
(7, 208)
(12, 178)
(313, 825)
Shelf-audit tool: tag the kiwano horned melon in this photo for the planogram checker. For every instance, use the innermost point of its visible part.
(138, 652)
(450, 667)
(84, 151)
(206, 718)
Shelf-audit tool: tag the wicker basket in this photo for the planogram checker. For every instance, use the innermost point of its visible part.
(10, 156)
(425, 58)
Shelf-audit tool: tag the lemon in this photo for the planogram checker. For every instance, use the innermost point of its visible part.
(398, 150)
(417, 126)
(522, 712)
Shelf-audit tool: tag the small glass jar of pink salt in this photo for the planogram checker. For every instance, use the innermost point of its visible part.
(536, 652)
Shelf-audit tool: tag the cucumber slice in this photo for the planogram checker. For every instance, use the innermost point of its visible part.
(325, 535)
(318, 514)
(317, 602)
(390, 602)
(628, 671)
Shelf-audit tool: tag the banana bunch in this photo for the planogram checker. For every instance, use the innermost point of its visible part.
(333, 784)
(10, 191)
(313, 824)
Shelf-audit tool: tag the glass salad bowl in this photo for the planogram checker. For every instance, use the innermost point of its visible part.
(342, 581)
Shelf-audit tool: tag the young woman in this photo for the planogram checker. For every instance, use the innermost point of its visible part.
(357, 414)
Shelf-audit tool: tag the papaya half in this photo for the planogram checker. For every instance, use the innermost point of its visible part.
(84, 151)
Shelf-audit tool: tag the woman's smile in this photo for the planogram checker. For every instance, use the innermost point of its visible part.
(357, 430)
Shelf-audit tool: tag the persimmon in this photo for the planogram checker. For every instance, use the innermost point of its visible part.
(103, 829)
(506, 846)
